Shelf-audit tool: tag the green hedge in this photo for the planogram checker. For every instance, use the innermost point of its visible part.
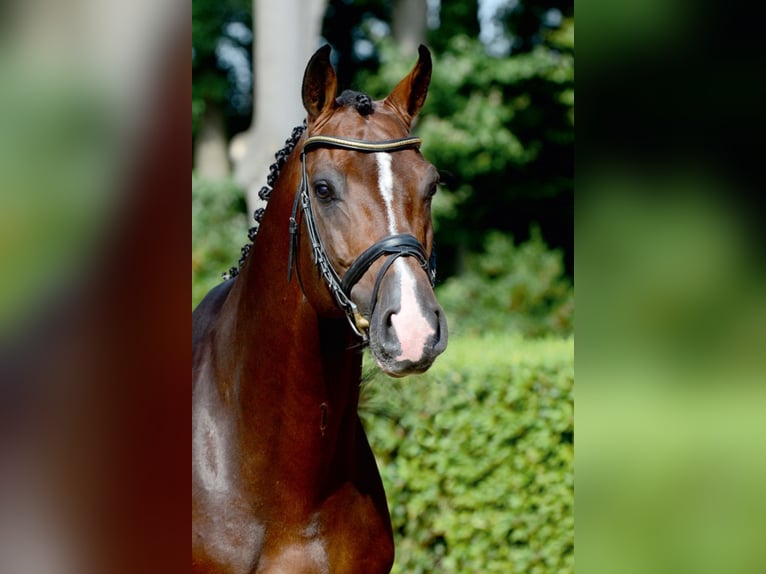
(511, 288)
(477, 457)
(219, 230)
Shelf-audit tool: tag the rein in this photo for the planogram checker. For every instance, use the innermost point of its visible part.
(394, 246)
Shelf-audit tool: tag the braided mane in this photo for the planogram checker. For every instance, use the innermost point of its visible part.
(265, 193)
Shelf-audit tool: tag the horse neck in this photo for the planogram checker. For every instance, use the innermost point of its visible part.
(291, 375)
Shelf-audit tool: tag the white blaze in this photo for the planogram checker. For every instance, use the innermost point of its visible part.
(386, 185)
(412, 328)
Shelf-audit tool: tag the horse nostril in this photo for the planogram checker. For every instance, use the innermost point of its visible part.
(388, 333)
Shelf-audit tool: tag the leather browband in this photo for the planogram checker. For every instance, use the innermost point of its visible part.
(352, 144)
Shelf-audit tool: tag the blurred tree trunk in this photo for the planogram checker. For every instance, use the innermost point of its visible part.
(211, 154)
(286, 34)
(409, 21)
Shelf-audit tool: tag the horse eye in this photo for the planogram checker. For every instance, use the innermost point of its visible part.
(433, 189)
(322, 190)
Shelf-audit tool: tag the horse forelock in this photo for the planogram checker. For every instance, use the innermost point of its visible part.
(358, 100)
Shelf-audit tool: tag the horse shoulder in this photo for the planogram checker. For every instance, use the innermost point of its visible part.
(207, 311)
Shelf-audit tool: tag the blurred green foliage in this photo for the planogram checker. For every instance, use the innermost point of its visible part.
(498, 122)
(501, 132)
(455, 19)
(211, 75)
(510, 288)
(670, 460)
(219, 229)
(477, 457)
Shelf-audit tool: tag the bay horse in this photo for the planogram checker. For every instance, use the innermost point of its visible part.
(283, 478)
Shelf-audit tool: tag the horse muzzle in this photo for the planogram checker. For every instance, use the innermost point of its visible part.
(408, 328)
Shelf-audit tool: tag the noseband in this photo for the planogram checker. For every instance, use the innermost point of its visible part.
(394, 246)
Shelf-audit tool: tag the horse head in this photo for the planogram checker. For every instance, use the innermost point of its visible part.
(365, 202)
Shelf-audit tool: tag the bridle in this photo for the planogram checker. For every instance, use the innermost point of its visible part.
(394, 246)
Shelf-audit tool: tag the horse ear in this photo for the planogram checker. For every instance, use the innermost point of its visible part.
(408, 96)
(320, 84)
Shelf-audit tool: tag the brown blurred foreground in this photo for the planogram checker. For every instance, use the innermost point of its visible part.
(94, 167)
